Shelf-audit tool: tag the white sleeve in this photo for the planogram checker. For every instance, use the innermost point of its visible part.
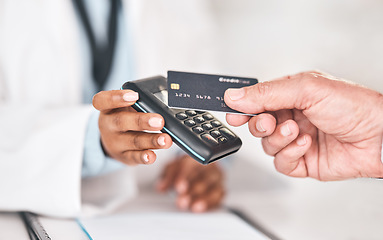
(41, 152)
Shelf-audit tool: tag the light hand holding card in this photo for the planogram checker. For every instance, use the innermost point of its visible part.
(202, 91)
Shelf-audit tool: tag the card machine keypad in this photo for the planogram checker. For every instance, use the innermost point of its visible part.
(206, 126)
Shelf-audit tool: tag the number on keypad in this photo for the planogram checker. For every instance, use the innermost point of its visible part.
(206, 126)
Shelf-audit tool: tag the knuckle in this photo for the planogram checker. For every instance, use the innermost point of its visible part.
(214, 177)
(278, 166)
(199, 188)
(310, 84)
(128, 158)
(316, 72)
(263, 89)
(310, 78)
(139, 157)
(135, 158)
(253, 130)
(168, 167)
(139, 121)
(268, 146)
(286, 154)
(117, 122)
(136, 140)
(263, 93)
(215, 196)
(154, 141)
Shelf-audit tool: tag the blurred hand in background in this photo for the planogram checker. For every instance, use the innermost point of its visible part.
(199, 187)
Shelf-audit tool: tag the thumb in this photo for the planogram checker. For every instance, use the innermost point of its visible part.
(285, 93)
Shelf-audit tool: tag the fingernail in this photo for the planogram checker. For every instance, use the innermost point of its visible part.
(199, 207)
(301, 141)
(161, 141)
(181, 187)
(155, 122)
(285, 130)
(235, 93)
(183, 203)
(130, 96)
(259, 126)
(146, 157)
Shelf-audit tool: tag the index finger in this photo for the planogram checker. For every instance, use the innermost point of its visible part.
(236, 120)
(108, 100)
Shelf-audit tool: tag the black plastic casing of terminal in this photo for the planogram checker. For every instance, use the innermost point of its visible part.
(192, 143)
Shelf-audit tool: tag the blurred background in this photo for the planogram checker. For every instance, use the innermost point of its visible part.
(268, 39)
(263, 39)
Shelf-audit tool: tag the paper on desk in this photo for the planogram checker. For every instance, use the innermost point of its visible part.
(168, 226)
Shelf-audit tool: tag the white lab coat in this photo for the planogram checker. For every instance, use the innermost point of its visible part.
(42, 120)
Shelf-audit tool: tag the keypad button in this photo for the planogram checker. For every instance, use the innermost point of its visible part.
(197, 130)
(208, 138)
(215, 133)
(208, 116)
(191, 113)
(207, 126)
(199, 119)
(189, 123)
(227, 133)
(200, 112)
(181, 116)
(222, 140)
(216, 123)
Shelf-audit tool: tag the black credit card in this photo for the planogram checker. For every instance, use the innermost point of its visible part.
(202, 91)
